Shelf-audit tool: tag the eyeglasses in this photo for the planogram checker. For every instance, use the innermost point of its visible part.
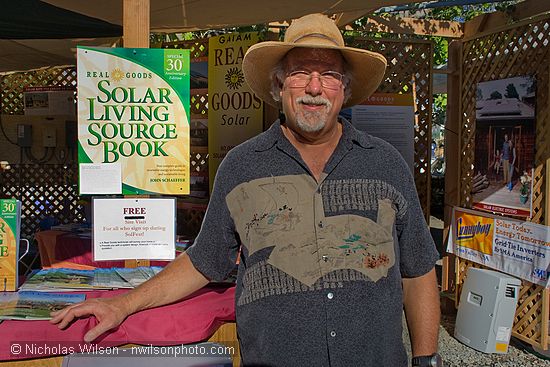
(328, 79)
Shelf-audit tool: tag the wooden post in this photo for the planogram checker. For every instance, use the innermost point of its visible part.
(544, 342)
(136, 25)
(452, 154)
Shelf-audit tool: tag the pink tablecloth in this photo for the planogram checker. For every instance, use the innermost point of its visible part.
(67, 247)
(189, 321)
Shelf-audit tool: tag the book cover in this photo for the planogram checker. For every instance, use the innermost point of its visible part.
(10, 225)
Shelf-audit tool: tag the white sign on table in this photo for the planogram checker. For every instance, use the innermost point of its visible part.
(134, 228)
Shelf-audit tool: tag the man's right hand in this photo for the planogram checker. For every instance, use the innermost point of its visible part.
(109, 312)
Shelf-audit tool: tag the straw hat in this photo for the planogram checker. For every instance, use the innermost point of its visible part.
(313, 31)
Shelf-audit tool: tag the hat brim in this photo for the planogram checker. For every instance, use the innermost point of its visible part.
(367, 68)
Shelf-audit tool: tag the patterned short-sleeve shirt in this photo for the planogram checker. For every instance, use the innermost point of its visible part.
(321, 265)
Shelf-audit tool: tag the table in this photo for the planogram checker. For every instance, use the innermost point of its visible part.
(58, 247)
(191, 320)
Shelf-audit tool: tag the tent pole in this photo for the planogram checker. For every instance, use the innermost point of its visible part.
(136, 25)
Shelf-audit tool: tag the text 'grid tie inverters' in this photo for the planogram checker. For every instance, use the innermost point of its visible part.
(486, 310)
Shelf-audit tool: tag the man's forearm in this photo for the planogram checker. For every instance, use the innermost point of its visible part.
(421, 301)
(179, 279)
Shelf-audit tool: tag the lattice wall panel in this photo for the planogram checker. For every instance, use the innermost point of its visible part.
(199, 103)
(199, 162)
(199, 47)
(190, 220)
(410, 71)
(44, 190)
(523, 50)
(528, 317)
(12, 85)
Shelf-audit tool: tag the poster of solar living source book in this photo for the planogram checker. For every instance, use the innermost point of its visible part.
(10, 226)
(133, 121)
(505, 146)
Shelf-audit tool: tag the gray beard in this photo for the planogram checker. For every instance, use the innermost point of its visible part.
(304, 119)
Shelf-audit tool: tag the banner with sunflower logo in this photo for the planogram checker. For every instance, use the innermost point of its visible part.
(235, 113)
(133, 121)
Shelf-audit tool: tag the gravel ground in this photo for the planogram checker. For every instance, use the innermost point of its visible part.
(456, 354)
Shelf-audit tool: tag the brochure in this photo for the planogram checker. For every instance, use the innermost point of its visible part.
(51, 280)
(60, 279)
(34, 305)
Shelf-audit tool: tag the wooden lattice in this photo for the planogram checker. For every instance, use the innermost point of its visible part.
(410, 71)
(12, 85)
(516, 51)
(44, 190)
(198, 47)
(199, 103)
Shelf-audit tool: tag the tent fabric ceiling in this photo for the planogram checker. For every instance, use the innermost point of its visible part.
(17, 53)
(182, 15)
(34, 19)
(20, 55)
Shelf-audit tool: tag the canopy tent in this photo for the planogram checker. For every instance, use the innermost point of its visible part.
(20, 55)
(190, 15)
(34, 19)
(28, 27)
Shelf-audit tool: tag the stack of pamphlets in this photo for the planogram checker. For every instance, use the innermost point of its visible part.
(34, 305)
(136, 276)
(56, 279)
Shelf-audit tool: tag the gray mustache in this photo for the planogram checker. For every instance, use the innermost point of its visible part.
(318, 100)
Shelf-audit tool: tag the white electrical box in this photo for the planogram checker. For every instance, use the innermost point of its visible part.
(486, 310)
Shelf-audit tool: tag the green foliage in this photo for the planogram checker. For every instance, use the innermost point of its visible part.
(479, 94)
(439, 108)
(156, 39)
(511, 91)
(495, 95)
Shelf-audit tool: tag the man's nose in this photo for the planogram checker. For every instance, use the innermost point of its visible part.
(314, 87)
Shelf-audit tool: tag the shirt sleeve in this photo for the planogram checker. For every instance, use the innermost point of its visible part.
(215, 249)
(418, 253)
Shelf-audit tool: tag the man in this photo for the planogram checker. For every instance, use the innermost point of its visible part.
(506, 160)
(333, 238)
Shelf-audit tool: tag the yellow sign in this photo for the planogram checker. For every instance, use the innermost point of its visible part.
(474, 232)
(235, 113)
(9, 230)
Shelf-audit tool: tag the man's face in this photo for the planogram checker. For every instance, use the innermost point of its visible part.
(313, 107)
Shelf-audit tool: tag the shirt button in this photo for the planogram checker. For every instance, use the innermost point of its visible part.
(325, 258)
(333, 333)
(320, 224)
(330, 295)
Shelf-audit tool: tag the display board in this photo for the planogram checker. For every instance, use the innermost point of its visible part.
(235, 113)
(389, 116)
(505, 146)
